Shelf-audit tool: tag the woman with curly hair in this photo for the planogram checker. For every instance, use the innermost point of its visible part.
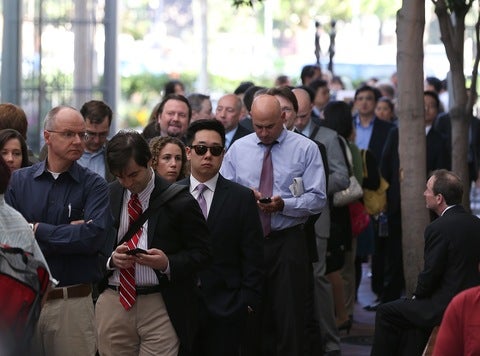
(169, 158)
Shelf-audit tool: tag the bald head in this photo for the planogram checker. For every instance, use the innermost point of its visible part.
(267, 118)
(304, 108)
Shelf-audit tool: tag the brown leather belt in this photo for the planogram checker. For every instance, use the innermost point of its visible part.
(140, 290)
(76, 291)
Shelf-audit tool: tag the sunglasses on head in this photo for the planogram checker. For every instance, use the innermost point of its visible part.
(202, 149)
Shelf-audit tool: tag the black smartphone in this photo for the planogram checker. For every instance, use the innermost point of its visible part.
(136, 251)
(265, 200)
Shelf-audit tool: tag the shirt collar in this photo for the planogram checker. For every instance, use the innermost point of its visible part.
(73, 170)
(279, 139)
(447, 208)
(211, 183)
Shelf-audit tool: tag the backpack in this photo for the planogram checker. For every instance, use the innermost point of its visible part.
(23, 283)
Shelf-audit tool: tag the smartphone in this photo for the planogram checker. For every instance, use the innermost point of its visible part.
(265, 200)
(136, 251)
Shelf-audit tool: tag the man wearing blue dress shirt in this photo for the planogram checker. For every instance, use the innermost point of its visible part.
(294, 158)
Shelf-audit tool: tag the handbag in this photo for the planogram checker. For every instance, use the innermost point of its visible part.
(359, 217)
(375, 200)
(354, 190)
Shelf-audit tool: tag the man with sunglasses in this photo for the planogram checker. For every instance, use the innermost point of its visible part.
(67, 206)
(298, 192)
(229, 290)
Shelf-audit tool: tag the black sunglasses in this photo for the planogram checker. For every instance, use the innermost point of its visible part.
(202, 149)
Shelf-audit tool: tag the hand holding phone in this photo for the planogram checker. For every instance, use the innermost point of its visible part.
(265, 200)
(136, 251)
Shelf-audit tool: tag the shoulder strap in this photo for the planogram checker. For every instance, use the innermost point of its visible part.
(166, 195)
(347, 154)
(314, 132)
(364, 158)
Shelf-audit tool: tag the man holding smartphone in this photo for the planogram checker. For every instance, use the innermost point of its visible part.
(292, 156)
(149, 307)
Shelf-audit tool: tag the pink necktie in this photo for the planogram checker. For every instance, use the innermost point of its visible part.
(266, 186)
(128, 293)
(201, 199)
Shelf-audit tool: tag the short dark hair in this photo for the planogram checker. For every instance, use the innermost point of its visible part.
(96, 111)
(4, 175)
(376, 93)
(124, 145)
(338, 117)
(158, 143)
(318, 83)
(435, 83)
(206, 124)
(170, 87)
(242, 87)
(449, 185)
(174, 97)
(308, 71)
(434, 96)
(8, 134)
(196, 100)
(250, 95)
(286, 93)
(13, 117)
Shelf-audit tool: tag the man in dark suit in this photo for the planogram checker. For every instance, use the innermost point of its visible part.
(228, 111)
(162, 317)
(230, 288)
(451, 257)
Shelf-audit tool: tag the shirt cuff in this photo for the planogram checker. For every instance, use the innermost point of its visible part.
(167, 270)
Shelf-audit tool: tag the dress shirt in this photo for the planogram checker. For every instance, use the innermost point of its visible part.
(293, 156)
(229, 137)
(363, 134)
(71, 251)
(144, 275)
(15, 232)
(307, 129)
(95, 161)
(207, 193)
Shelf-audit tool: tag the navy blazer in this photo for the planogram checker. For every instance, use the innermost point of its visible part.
(177, 228)
(234, 280)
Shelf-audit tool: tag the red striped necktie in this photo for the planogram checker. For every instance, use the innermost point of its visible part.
(128, 292)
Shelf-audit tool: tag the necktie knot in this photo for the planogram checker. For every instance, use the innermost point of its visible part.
(201, 199)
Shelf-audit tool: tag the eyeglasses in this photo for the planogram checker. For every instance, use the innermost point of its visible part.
(202, 149)
(91, 135)
(70, 135)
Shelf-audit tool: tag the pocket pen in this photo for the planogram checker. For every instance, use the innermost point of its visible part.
(69, 210)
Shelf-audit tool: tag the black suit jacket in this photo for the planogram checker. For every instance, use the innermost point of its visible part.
(234, 279)
(241, 131)
(451, 257)
(380, 132)
(438, 156)
(177, 228)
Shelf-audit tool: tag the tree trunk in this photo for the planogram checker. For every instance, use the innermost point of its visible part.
(412, 141)
(452, 29)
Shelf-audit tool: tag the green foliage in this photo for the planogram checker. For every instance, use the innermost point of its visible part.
(239, 3)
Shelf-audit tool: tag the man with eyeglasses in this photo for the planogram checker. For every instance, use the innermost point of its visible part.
(290, 167)
(67, 206)
(230, 288)
(98, 118)
(228, 111)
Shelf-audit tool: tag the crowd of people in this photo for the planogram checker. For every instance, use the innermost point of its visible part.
(215, 230)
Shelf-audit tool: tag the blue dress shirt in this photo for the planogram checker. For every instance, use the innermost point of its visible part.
(293, 156)
(363, 134)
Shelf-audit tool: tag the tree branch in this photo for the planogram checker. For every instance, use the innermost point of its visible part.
(473, 87)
